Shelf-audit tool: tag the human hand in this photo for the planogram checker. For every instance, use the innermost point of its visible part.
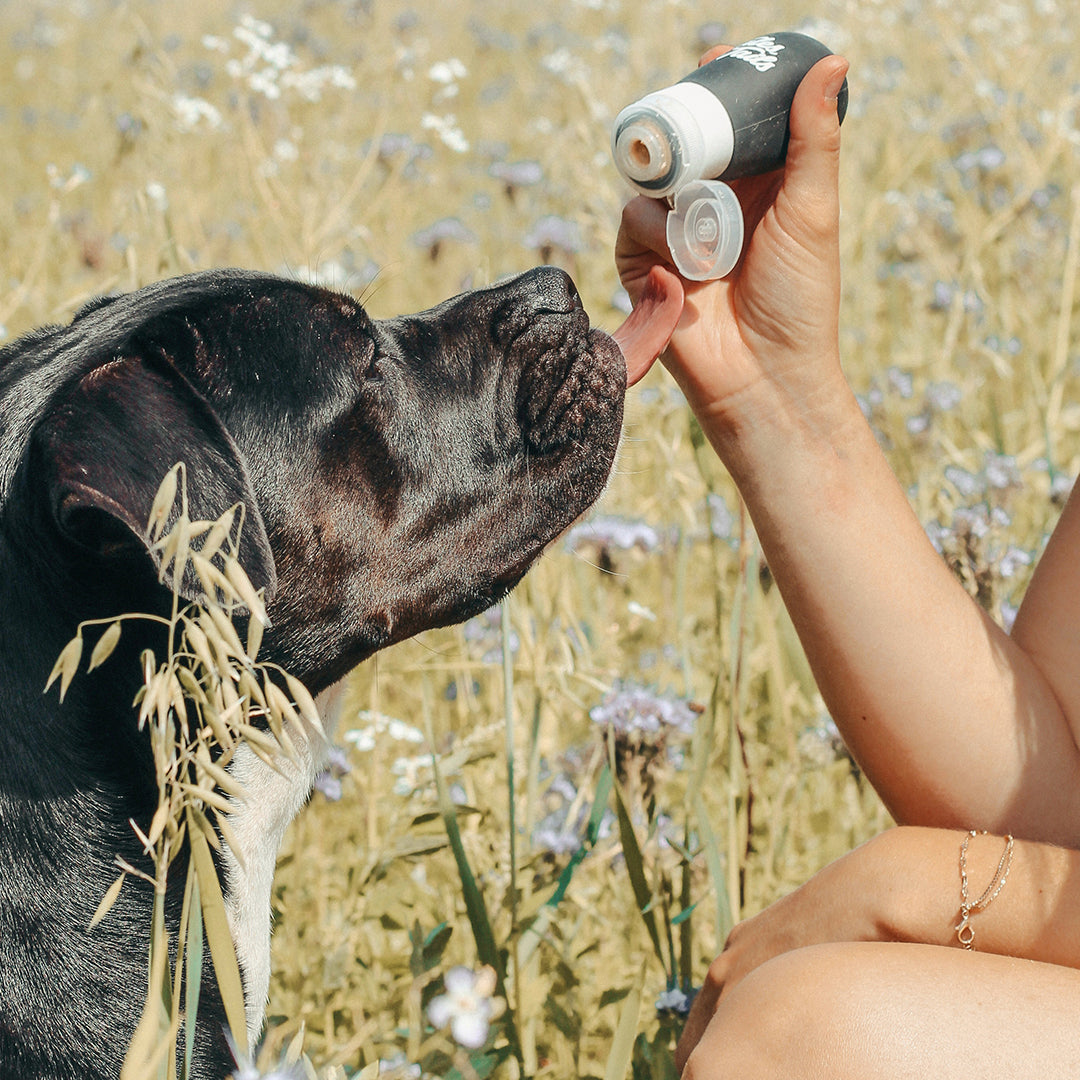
(843, 902)
(773, 320)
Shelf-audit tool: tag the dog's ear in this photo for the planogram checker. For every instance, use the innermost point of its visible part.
(108, 444)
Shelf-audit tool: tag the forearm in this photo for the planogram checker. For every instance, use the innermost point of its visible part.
(1035, 916)
(950, 719)
(954, 723)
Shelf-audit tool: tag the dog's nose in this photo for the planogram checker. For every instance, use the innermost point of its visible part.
(549, 289)
(528, 302)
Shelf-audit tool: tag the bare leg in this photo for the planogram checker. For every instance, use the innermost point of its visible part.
(871, 1011)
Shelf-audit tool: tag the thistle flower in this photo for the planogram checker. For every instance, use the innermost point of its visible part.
(553, 233)
(413, 773)
(901, 382)
(1014, 560)
(1001, 471)
(192, 112)
(675, 1002)
(328, 782)
(562, 828)
(967, 484)
(78, 176)
(157, 195)
(607, 531)
(445, 230)
(516, 174)
(988, 158)
(633, 710)
(485, 632)
(553, 836)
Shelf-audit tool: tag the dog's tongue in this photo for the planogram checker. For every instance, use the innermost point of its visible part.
(645, 333)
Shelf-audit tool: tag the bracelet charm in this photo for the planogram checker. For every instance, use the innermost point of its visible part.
(965, 932)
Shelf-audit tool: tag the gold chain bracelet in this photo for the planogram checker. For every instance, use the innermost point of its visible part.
(965, 932)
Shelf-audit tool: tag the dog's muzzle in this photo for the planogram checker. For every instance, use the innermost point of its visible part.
(571, 375)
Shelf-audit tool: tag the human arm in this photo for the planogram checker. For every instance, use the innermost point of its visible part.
(955, 723)
(904, 886)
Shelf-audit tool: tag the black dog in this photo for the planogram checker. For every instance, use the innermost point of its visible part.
(397, 475)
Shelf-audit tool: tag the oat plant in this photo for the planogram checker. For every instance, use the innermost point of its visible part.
(198, 703)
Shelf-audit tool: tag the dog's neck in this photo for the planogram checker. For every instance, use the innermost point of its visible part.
(275, 796)
(85, 810)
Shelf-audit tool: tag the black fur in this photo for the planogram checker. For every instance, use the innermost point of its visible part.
(397, 475)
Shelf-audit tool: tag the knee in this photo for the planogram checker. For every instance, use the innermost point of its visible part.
(786, 1020)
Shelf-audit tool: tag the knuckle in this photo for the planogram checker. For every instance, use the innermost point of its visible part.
(716, 972)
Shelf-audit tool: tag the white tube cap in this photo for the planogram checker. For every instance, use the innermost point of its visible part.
(671, 137)
(705, 230)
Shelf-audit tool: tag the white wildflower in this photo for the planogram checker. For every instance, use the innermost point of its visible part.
(310, 84)
(447, 71)
(399, 1067)
(412, 773)
(398, 729)
(467, 1007)
(158, 196)
(285, 150)
(378, 724)
(265, 82)
(192, 112)
(78, 176)
(447, 129)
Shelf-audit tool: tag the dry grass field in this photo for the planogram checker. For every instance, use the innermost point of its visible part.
(405, 152)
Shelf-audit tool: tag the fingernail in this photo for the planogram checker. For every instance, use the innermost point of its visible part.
(835, 83)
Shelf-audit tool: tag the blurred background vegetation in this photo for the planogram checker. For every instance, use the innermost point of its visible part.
(405, 153)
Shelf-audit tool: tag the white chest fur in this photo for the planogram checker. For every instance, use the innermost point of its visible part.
(258, 823)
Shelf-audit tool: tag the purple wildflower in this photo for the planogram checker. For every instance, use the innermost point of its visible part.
(675, 1002)
(607, 531)
(633, 710)
(516, 174)
(553, 233)
(445, 230)
(328, 782)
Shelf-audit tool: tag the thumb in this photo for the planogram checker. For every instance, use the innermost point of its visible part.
(811, 175)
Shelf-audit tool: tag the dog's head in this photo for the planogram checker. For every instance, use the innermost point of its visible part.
(397, 474)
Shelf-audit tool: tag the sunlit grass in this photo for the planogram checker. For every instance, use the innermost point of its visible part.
(330, 141)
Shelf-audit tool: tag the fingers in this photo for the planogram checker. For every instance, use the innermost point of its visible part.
(812, 169)
(713, 53)
(643, 230)
(642, 258)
